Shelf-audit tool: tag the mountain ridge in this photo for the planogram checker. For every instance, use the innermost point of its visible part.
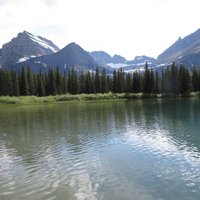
(71, 56)
(25, 45)
(186, 51)
(41, 53)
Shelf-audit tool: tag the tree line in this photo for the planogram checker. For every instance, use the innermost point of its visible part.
(172, 80)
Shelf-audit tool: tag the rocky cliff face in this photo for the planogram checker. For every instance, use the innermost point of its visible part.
(25, 46)
(186, 51)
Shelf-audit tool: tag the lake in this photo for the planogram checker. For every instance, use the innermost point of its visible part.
(115, 150)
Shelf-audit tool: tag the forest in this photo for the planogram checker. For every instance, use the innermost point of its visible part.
(171, 80)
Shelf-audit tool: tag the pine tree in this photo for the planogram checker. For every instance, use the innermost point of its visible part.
(23, 83)
(41, 84)
(15, 84)
(152, 81)
(128, 83)
(115, 89)
(52, 83)
(64, 83)
(163, 82)
(73, 82)
(167, 81)
(97, 81)
(36, 84)
(93, 82)
(104, 84)
(3, 84)
(157, 84)
(174, 79)
(82, 82)
(58, 81)
(30, 81)
(196, 80)
(8, 81)
(120, 81)
(184, 80)
(136, 82)
(88, 84)
(110, 84)
(147, 80)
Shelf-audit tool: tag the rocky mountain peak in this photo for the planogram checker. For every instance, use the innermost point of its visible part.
(182, 50)
(25, 46)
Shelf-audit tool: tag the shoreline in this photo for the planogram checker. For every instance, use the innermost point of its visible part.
(24, 100)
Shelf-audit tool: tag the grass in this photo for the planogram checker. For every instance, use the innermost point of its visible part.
(86, 97)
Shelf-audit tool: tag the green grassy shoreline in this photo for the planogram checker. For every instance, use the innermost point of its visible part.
(86, 97)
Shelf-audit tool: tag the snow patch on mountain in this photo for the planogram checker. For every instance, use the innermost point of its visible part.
(23, 59)
(135, 70)
(117, 65)
(41, 42)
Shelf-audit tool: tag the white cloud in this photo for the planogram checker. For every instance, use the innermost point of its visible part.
(126, 27)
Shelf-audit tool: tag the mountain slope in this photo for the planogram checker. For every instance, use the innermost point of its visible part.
(101, 57)
(117, 61)
(186, 50)
(70, 56)
(25, 46)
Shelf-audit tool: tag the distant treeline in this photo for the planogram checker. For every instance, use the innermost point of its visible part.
(173, 80)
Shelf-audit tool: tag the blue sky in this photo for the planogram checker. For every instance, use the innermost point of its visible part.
(125, 27)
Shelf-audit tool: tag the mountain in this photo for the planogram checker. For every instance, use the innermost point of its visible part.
(25, 46)
(141, 60)
(186, 51)
(40, 53)
(101, 57)
(118, 59)
(70, 56)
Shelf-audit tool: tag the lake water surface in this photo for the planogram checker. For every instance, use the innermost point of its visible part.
(134, 150)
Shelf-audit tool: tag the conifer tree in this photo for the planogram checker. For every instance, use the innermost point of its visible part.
(64, 83)
(52, 83)
(152, 82)
(23, 83)
(110, 84)
(3, 84)
(82, 82)
(15, 84)
(115, 89)
(93, 82)
(163, 82)
(73, 82)
(120, 81)
(167, 81)
(157, 84)
(104, 84)
(30, 81)
(87, 83)
(58, 81)
(196, 80)
(41, 84)
(97, 81)
(128, 87)
(147, 80)
(184, 80)
(174, 79)
(136, 82)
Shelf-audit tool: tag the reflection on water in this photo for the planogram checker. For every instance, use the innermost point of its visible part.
(116, 150)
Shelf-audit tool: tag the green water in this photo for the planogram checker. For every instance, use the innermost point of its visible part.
(135, 150)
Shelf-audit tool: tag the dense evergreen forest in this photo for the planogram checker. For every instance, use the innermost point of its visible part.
(173, 80)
